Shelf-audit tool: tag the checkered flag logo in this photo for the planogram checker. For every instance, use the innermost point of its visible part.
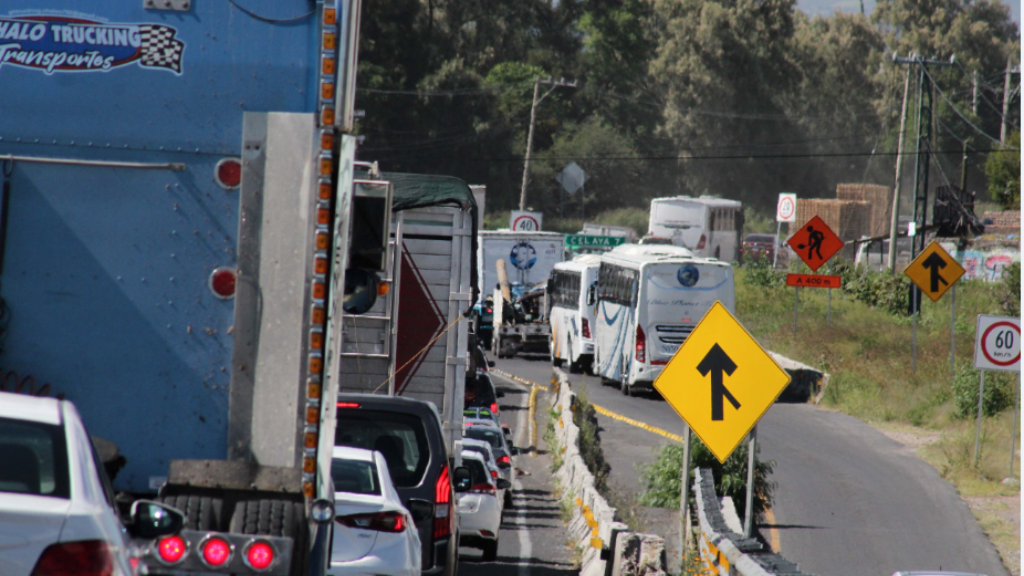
(159, 48)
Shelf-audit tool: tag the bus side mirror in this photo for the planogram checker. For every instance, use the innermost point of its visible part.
(592, 294)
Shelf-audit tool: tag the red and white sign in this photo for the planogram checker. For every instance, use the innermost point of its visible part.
(786, 210)
(997, 343)
(813, 281)
(526, 221)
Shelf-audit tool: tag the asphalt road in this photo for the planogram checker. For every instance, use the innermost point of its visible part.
(849, 502)
(532, 538)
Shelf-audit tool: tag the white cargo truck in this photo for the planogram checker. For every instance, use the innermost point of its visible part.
(528, 258)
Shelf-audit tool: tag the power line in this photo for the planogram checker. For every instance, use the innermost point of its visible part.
(957, 110)
(737, 156)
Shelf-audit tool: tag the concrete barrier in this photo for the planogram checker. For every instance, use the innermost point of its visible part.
(609, 547)
(724, 551)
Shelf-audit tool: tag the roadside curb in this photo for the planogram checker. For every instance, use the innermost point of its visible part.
(609, 547)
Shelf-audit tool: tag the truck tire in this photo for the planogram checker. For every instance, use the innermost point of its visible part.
(201, 512)
(269, 517)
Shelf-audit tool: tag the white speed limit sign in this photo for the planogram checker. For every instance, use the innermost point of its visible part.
(997, 343)
(786, 210)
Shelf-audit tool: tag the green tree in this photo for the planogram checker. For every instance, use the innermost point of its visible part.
(1003, 171)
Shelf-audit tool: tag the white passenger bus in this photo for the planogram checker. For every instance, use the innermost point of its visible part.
(649, 299)
(571, 298)
(706, 226)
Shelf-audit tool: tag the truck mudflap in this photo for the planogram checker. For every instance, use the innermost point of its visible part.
(193, 552)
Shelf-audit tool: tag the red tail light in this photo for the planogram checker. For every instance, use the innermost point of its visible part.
(484, 488)
(442, 508)
(585, 327)
(348, 405)
(701, 242)
(641, 345)
(494, 473)
(171, 549)
(259, 555)
(378, 521)
(494, 407)
(216, 552)
(504, 460)
(83, 558)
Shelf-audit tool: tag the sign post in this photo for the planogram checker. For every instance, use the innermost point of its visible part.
(744, 382)
(784, 212)
(934, 272)
(996, 347)
(815, 244)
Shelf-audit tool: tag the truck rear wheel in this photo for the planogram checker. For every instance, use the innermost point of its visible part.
(201, 512)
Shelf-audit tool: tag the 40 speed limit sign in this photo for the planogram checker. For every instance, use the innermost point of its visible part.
(997, 344)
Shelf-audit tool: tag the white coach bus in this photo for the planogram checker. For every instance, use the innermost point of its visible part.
(649, 299)
(706, 226)
(571, 297)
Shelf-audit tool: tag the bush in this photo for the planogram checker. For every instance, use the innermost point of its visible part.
(761, 274)
(1009, 290)
(585, 417)
(660, 479)
(879, 289)
(999, 392)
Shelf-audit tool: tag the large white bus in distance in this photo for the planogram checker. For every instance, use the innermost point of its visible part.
(711, 227)
(572, 298)
(649, 299)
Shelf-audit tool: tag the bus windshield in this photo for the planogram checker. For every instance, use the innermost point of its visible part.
(682, 293)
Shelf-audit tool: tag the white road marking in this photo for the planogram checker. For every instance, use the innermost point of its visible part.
(525, 546)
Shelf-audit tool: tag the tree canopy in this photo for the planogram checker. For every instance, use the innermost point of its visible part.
(735, 98)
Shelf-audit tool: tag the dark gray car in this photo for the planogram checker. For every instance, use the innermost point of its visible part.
(408, 433)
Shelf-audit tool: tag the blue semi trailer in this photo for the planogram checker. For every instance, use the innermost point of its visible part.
(174, 219)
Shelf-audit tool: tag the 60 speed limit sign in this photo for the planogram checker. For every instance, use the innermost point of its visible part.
(997, 343)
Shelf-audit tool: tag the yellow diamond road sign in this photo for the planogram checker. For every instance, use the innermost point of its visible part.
(721, 381)
(934, 271)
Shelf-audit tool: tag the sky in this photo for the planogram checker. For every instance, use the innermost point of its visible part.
(827, 7)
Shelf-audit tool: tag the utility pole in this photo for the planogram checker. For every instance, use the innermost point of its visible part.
(1005, 125)
(974, 111)
(533, 120)
(895, 220)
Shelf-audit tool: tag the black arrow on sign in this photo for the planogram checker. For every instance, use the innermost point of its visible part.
(934, 262)
(716, 361)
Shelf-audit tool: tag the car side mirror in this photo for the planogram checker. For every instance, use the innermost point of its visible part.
(421, 510)
(504, 484)
(515, 451)
(591, 294)
(151, 520)
(490, 363)
(463, 479)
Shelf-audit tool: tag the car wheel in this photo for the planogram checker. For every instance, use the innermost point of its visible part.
(624, 387)
(508, 499)
(490, 551)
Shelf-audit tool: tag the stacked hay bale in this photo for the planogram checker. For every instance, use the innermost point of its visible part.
(880, 199)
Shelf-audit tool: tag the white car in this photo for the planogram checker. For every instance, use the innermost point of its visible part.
(373, 532)
(57, 511)
(488, 432)
(484, 449)
(479, 508)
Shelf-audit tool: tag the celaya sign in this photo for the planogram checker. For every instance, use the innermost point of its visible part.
(997, 343)
(525, 221)
(786, 210)
(576, 241)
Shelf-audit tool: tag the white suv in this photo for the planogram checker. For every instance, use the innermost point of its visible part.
(57, 511)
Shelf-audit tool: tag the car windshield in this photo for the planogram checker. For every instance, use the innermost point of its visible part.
(476, 471)
(401, 438)
(478, 449)
(487, 434)
(34, 457)
(355, 476)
